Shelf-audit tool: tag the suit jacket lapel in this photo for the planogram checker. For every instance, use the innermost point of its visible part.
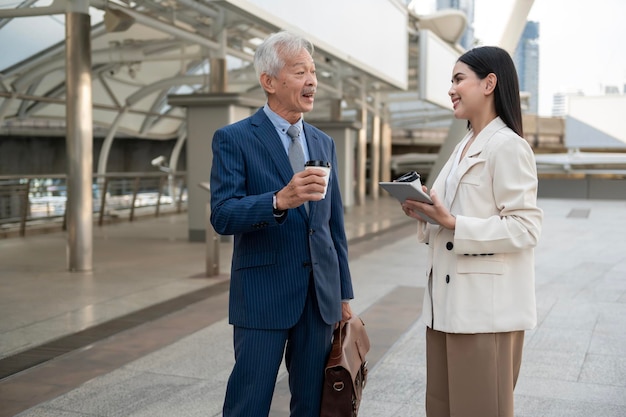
(265, 132)
(312, 140)
(440, 184)
(471, 159)
(464, 166)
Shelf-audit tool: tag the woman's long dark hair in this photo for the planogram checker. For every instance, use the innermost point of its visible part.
(484, 60)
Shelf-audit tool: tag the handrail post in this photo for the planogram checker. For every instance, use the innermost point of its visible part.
(212, 239)
(158, 204)
(174, 189)
(64, 226)
(25, 204)
(132, 205)
(212, 247)
(103, 200)
(180, 194)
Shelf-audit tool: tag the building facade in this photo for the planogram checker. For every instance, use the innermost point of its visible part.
(526, 58)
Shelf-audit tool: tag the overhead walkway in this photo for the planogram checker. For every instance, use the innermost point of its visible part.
(146, 333)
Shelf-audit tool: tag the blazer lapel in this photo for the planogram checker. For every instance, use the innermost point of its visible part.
(315, 151)
(472, 158)
(266, 134)
(464, 166)
(442, 178)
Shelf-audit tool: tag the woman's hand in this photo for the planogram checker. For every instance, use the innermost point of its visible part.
(436, 211)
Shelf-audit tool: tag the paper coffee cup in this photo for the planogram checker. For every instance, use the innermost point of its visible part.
(324, 166)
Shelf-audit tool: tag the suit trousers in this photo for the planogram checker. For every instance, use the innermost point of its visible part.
(258, 355)
(472, 375)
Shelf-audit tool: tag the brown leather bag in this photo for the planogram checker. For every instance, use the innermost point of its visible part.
(346, 370)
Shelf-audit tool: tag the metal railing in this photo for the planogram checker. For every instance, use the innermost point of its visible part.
(39, 201)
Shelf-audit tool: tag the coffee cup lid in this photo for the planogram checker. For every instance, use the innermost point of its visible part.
(317, 163)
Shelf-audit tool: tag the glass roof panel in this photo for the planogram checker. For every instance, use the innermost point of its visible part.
(24, 37)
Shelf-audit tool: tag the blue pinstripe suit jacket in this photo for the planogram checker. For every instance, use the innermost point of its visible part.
(272, 261)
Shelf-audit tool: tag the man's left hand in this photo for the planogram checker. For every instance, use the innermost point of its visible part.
(346, 312)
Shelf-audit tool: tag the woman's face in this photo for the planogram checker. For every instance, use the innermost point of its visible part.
(293, 89)
(467, 92)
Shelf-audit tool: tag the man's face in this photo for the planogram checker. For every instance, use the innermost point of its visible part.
(292, 91)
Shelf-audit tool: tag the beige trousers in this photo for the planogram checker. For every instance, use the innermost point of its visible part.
(472, 375)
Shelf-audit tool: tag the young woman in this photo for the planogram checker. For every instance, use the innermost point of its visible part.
(480, 297)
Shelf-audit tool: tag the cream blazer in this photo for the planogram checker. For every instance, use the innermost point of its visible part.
(481, 276)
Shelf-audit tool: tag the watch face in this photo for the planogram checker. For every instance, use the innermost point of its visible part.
(274, 201)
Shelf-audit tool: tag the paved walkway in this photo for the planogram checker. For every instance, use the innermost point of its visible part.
(146, 333)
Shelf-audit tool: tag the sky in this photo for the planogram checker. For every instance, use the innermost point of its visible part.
(581, 42)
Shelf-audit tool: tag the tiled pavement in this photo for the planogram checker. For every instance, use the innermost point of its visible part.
(146, 334)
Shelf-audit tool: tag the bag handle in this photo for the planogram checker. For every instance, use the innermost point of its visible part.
(339, 336)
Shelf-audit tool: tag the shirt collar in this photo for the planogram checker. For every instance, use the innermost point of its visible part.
(279, 123)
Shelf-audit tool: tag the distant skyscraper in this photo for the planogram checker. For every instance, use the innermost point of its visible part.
(560, 102)
(611, 89)
(526, 59)
(467, 7)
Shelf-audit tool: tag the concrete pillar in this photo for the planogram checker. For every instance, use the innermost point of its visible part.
(218, 81)
(335, 109)
(205, 114)
(375, 158)
(515, 25)
(385, 151)
(345, 134)
(361, 158)
(79, 116)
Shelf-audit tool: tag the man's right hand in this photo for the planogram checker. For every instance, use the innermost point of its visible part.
(307, 185)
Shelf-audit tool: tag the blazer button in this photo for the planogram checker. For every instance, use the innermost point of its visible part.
(447, 279)
(449, 245)
(311, 231)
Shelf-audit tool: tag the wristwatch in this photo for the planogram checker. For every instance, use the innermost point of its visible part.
(277, 213)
